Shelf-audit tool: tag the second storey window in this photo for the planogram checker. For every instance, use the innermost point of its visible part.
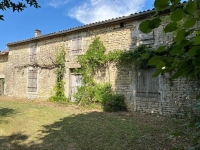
(76, 45)
(33, 50)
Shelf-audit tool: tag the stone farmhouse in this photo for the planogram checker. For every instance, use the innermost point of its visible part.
(30, 71)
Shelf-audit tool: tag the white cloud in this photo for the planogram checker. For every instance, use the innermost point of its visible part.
(98, 10)
(57, 3)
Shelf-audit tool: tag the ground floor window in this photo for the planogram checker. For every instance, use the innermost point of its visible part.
(2, 80)
(146, 85)
(32, 79)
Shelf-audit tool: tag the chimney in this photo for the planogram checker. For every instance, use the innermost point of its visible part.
(37, 33)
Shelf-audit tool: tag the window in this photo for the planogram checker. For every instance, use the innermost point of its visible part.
(32, 80)
(76, 45)
(122, 24)
(2, 81)
(146, 85)
(146, 39)
(33, 54)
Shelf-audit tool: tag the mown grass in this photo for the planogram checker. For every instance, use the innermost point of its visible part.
(47, 126)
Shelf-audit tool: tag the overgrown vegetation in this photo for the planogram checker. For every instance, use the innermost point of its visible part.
(139, 56)
(92, 92)
(96, 59)
(184, 56)
(59, 90)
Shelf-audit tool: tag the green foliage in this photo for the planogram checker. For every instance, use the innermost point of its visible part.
(59, 89)
(17, 6)
(92, 92)
(114, 102)
(103, 94)
(139, 56)
(94, 58)
(183, 57)
(148, 25)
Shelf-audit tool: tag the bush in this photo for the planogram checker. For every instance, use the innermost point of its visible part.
(90, 94)
(103, 94)
(114, 102)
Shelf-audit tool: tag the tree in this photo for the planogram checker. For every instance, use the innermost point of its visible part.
(182, 57)
(17, 6)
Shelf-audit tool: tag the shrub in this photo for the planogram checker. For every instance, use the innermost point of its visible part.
(114, 102)
(98, 93)
(94, 93)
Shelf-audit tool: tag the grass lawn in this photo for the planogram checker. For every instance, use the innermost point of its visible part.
(48, 126)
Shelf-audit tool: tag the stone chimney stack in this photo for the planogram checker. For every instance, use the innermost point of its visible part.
(37, 33)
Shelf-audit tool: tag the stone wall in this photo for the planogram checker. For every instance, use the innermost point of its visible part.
(3, 66)
(178, 95)
(172, 98)
(113, 37)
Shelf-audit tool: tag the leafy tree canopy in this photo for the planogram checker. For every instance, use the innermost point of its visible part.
(183, 57)
(17, 6)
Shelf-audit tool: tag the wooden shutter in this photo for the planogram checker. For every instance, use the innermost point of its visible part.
(146, 85)
(1, 86)
(79, 44)
(76, 45)
(153, 84)
(32, 80)
(141, 83)
(33, 53)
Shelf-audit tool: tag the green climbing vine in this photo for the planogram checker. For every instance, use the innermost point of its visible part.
(136, 56)
(59, 94)
(96, 59)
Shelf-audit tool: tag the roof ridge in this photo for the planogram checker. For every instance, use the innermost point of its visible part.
(137, 14)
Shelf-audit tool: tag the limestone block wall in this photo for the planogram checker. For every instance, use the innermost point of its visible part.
(179, 95)
(113, 37)
(172, 98)
(3, 64)
(17, 73)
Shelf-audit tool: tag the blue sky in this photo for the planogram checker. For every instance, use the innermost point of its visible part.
(56, 15)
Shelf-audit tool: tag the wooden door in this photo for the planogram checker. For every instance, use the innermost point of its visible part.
(75, 83)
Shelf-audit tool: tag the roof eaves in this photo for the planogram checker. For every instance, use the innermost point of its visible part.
(91, 25)
(132, 16)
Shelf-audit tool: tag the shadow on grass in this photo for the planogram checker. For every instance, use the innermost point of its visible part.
(104, 131)
(13, 141)
(4, 112)
(94, 131)
(91, 131)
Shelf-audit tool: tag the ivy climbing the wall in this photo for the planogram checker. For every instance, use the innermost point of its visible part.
(95, 59)
(92, 92)
(59, 90)
(138, 56)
